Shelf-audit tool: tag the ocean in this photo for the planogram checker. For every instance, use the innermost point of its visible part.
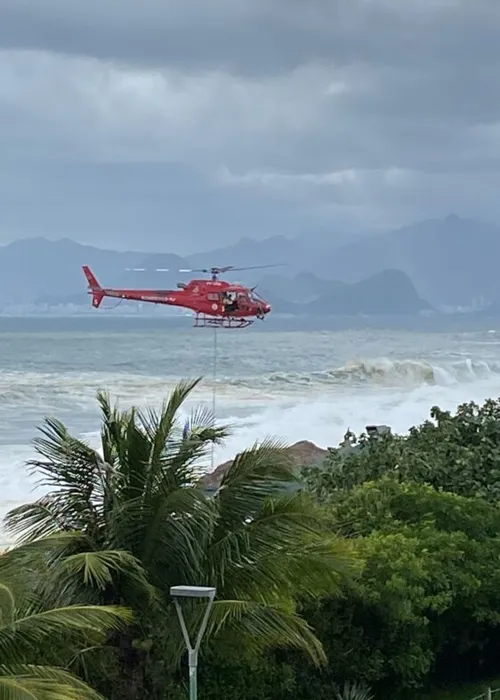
(295, 385)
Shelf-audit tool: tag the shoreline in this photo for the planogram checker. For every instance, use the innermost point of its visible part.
(444, 323)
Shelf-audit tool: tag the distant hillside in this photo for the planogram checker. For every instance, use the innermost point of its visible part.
(35, 266)
(39, 270)
(302, 288)
(297, 254)
(451, 261)
(389, 293)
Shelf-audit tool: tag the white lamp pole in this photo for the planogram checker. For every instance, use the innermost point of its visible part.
(193, 592)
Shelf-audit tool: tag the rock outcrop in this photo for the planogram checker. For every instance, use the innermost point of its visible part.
(302, 454)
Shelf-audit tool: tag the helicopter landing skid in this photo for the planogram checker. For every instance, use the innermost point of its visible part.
(203, 321)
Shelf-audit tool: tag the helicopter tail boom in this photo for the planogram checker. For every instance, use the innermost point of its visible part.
(98, 293)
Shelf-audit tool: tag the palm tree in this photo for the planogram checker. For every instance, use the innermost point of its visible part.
(123, 525)
(26, 628)
(354, 691)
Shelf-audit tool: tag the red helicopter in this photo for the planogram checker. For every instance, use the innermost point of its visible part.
(215, 303)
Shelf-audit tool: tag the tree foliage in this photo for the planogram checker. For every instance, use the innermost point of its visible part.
(422, 510)
(453, 452)
(29, 632)
(428, 574)
(457, 452)
(383, 569)
(123, 524)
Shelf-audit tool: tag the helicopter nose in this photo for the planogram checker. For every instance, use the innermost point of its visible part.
(267, 308)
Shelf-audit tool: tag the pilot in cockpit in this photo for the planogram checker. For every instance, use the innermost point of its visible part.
(229, 301)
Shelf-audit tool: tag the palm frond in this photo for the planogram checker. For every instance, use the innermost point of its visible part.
(147, 446)
(112, 428)
(201, 418)
(170, 532)
(160, 429)
(311, 570)
(158, 425)
(29, 682)
(102, 569)
(256, 474)
(18, 593)
(134, 460)
(32, 521)
(179, 468)
(289, 536)
(354, 691)
(202, 426)
(284, 550)
(29, 568)
(7, 605)
(109, 412)
(72, 469)
(90, 576)
(66, 459)
(44, 518)
(263, 627)
(24, 634)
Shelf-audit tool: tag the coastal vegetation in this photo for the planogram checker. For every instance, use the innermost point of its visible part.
(37, 642)
(375, 573)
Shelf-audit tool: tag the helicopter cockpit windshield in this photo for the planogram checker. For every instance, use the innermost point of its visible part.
(256, 298)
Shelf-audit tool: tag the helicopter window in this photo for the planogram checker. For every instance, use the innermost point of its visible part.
(230, 301)
(213, 297)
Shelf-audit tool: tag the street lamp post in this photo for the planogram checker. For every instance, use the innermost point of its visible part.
(193, 592)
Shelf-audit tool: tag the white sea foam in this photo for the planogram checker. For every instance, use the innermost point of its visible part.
(321, 418)
(381, 372)
(311, 392)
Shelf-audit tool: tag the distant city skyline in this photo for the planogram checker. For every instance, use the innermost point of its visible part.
(163, 125)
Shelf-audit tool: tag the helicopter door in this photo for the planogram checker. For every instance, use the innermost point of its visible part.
(229, 301)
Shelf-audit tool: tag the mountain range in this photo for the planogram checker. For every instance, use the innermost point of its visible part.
(441, 263)
(452, 261)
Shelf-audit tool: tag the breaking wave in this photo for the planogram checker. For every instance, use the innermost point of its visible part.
(317, 405)
(48, 392)
(386, 372)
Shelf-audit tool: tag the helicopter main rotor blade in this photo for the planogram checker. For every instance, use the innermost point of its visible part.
(252, 267)
(230, 268)
(194, 269)
(205, 270)
(160, 269)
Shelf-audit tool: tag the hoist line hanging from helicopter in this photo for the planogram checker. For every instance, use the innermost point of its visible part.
(214, 399)
(215, 304)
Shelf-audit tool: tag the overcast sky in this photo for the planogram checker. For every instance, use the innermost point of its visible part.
(158, 124)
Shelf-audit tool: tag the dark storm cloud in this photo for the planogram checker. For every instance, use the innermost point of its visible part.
(245, 117)
(257, 37)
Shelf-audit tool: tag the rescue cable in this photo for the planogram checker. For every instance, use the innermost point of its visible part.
(214, 396)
